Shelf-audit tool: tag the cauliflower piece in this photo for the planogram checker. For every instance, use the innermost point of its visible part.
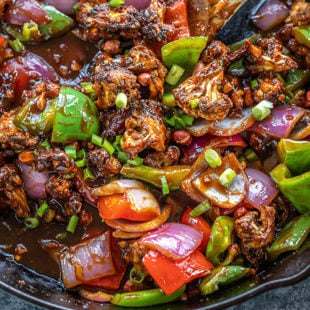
(267, 55)
(199, 95)
(299, 14)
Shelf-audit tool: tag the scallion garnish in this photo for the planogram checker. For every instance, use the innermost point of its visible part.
(136, 276)
(169, 100)
(116, 3)
(164, 185)
(262, 110)
(227, 177)
(200, 209)
(43, 208)
(30, 30)
(81, 156)
(31, 222)
(121, 101)
(87, 174)
(74, 219)
(17, 46)
(213, 158)
(71, 151)
(174, 74)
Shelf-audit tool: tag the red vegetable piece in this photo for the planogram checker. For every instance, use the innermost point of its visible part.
(200, 224)
(171, 275)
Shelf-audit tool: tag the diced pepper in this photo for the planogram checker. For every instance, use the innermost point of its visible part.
(174, 174)
(220, 239)
(291, 236)
(296, 79)
(302, 35)
(222, 276)
(34, 121)
(171, 275)
(200, 224)
(296, 189)
(76, 117)
(295, 155)
(145, 298)
(184, 52)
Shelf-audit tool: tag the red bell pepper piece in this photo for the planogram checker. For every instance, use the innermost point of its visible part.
(200, 224)
(171, 275)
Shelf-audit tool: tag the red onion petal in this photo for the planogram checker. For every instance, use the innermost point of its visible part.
(23, 11)
(233, 126)
(262, 190)
(270, 14)
(173, 240)
(200, 127)
(34, 181)
(139, 4)
(281, 122)
(88, 260)
(65, 6)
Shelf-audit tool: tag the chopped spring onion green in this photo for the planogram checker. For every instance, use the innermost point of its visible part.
(180, 121)
(116, 3)
(87, 174)
(76, 8)
(106, 144)
(169, 100)
(262, 110)
(88, 87)
(74, 219)
(200, 209)
(194, 103)
(254, 84)
(164, 185)
(213, 158)
(81, 156)
(121, 101)
(43, 208)
(227, 177)
(250, 155)
(188, 120)
(61, 236)
(97, 140)
(30, 30)
(31, 222)
(46, 144)
(136, 276)
(122, 156)
(136, 162)
(17, 46)
(174, 75)
(71, 151)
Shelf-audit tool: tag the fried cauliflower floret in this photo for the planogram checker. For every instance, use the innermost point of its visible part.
(267, 55)
(144, 128)
(256, 230)
(11, 188)
(299, 14)
(13, 138)
(199, 95)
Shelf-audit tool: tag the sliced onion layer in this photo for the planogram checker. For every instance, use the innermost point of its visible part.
(281, 121)
(89, 260)
(262, 190)
(173, 240)
(139, 4)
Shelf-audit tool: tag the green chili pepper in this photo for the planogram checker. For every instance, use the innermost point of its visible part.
(302, 35)
(30, 119)
(220, 238)
(296, 79)
(295, 155)
(59, 24)
(173, 174)
(291, 236)
(296, 189)
(145, 298)
(184, 52)
(76, 117)
(222, 276)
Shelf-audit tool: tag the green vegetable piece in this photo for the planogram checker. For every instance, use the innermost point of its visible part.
(184, 52)
(296, 79)
(173, 174)
(236, 46)
(145, 298)
(213, 158)
(291, 236)
(227, 177)
(201, 208)
(81, 158)
(31, 222)
(302, 35)
(71, 151)
(30, 30)
(250, 155)
(220, 238)
(262, 110)
(237, 68)
(76, 117)
(59, 24)
(136, 276)
(43, 208)
(116, 3)
(87, 174)
(169, 100)
(296, 189)
(164, 185)
(36, 122)
(73, 222)
(121, 101)
(295, 154)
(222, 276)
(17, 46)
(174, 75)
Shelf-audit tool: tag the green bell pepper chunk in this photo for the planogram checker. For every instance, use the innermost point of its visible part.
(222, 276)
(173, 174)
(59, 24)
(296, 79)
(220, 238)
(296, 189)
(302, 35)
(76, 117)
(145, 298)
(29, 119)
(291, 236)
(184, 52)
(295, 155)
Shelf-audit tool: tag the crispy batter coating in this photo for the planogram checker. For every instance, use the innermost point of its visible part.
(163, 159)
(13, 138)
(11, 188)
(300, 13)
(203, 88)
